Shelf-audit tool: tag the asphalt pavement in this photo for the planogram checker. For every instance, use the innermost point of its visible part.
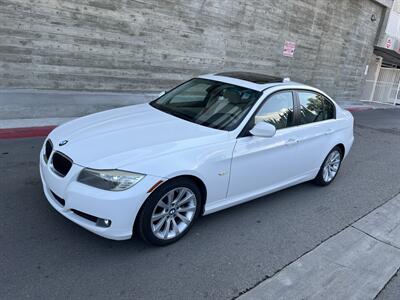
(392, 289)
(43, 255)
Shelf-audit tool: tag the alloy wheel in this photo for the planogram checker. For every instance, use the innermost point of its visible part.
(173, 213)
(331, 166)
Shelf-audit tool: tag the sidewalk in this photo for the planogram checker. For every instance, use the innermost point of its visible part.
(29, 113)
(356, 263)
(357, 105)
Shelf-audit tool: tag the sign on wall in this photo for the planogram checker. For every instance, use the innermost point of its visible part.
(389, 43)
(288, 49)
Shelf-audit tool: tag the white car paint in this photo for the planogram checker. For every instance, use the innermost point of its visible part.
(145, 140)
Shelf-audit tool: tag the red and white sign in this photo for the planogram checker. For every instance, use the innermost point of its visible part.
(288, 49)
(389, 43)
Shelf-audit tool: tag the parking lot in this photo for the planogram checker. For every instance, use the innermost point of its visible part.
(44, 255)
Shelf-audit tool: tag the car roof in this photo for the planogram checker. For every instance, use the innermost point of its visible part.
(255, 81)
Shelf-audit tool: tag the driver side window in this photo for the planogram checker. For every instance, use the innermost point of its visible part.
(277, 110)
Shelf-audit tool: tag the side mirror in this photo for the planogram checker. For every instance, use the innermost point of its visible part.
(263, 129)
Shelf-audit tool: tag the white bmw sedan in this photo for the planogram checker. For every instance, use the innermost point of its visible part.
(210, 143)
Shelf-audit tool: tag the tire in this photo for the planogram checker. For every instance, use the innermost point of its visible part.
(167, 215)
(330, 167)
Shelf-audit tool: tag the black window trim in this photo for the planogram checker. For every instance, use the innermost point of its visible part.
(296, 109)
(250, 123)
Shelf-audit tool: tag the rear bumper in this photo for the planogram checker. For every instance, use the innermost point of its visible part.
(119, 207)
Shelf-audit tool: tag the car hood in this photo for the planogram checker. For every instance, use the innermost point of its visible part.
(118, 137)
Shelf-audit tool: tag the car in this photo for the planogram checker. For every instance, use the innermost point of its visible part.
(215, 141)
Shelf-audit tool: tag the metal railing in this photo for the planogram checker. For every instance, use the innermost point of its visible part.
(382, 92)
(385, 89)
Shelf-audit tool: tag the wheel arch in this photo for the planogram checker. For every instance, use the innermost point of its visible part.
(342, 148)
(195, 179)
(199, 183)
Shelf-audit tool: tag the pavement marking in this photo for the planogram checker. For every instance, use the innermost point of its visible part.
(25, 123)
(359, 108)
(26, 128)
(15, 133)
(356, 263)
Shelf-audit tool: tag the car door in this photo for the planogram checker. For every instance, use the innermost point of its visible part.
(316, 126)
(261, 164)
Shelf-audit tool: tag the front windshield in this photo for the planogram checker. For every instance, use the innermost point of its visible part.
(210, 103)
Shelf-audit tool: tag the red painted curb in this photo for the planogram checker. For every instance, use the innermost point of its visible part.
(26, 132)
(356, 109)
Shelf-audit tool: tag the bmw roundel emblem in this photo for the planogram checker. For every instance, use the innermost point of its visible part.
(62, 143)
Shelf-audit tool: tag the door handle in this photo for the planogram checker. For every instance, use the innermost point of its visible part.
(329, 131)
(291, 142)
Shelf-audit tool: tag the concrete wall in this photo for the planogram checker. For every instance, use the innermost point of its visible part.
(152, 45)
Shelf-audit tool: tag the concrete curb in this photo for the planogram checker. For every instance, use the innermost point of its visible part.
(25, 132)
(35, 122)
(356, 263)
(359, 108)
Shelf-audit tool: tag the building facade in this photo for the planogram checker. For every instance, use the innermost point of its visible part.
(128, 45)
(383, 77)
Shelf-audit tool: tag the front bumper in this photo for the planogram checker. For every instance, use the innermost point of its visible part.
(119, 207)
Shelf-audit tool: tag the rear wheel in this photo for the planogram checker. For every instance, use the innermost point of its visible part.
(169, 212)
(330, 167)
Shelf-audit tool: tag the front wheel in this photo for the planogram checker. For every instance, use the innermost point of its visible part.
(330, 167)
(169, 212)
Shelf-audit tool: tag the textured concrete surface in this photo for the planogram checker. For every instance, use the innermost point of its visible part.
(43, 255)
(40, 104)
(148, 45)
(354, 264)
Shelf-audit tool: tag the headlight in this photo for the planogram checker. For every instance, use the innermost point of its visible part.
(110, 180)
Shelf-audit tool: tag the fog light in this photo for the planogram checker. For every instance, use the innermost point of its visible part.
(103, 222)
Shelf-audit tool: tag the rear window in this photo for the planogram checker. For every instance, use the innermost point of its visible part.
(315, 107)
